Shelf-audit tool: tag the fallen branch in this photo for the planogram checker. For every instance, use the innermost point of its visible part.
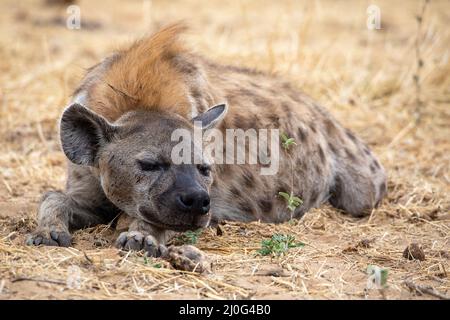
(38, 280)
(425, 290)
(87, 258)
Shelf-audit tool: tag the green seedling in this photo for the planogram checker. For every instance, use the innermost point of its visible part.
(278, 245)
(287, 142)
(292, 201)
(189, 237)
(377, 277)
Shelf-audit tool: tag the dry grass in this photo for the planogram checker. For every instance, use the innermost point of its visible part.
(364, 77)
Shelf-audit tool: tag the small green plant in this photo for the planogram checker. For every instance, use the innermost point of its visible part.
(189, 237)
(278, 245)
(292, 200)
(377, 277)
(156, 265)
(287, 142)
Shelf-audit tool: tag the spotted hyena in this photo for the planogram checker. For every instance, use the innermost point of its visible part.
(117, 131)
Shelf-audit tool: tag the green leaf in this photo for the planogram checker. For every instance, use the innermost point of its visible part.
(278, 245)
(292, 201)
(290, 141)
(384, 277)
(286, 142)
(189, 237)
(378, 275)
(284, 195)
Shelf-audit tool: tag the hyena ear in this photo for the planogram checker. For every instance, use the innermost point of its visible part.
(83, 133)
(211, 117)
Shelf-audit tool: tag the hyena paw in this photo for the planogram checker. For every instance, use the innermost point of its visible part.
(130, 241)
(137, 241)
(50, 236)
(153, 248)
(188, 258)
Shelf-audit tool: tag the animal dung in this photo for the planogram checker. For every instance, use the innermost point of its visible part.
(414, 252)
(188, 258)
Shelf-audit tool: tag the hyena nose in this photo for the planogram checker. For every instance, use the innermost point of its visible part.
(195, 202)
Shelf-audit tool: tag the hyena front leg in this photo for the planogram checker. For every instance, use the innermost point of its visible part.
(144, 236)
(58, 214)
(83, 205)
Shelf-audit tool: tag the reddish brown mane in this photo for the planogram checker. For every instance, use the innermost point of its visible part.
(142, 76)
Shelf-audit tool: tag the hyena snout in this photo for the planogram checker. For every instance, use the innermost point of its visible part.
(194, 201)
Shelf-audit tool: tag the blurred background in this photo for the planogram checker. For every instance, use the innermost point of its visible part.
(365, 77)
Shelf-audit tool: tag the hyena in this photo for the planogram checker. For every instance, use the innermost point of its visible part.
(116, 134)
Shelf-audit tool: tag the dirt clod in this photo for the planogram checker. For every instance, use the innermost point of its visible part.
(365, 243)
(414, 252)
(219, 230)
(188, 258)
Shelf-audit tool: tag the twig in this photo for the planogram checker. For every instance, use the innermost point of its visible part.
(88, 258)
(425, 290)
(419, 66)
(292, 179)
(38, 280)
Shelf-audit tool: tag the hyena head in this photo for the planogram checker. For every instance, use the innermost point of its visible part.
(133, 158)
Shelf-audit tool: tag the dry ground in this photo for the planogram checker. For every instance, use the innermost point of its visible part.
(364, 77)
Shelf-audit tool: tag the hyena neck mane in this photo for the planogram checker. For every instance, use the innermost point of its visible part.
(154, 73)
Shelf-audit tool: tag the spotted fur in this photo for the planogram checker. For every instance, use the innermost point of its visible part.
(157, 75)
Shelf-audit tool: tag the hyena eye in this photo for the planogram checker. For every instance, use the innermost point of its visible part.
(152, 166)
(204, 169)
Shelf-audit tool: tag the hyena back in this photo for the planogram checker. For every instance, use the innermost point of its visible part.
(117, 131)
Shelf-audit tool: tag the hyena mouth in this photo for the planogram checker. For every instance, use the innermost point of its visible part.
(191, 223)
(183, 228)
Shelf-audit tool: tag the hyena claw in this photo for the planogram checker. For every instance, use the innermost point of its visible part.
(130, 241)
(49, 237)
(153, 249)
(137, 241)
